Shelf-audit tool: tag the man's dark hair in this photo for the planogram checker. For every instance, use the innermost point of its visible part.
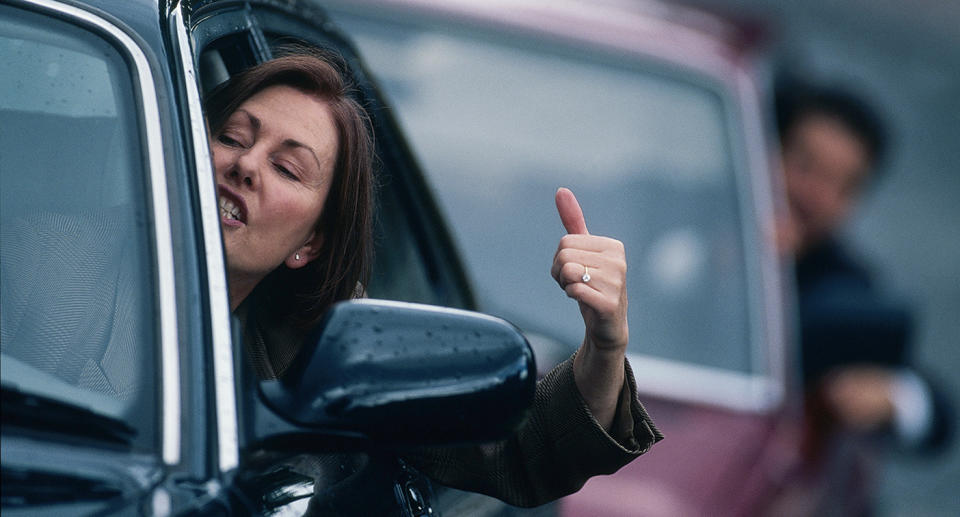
(795, 100)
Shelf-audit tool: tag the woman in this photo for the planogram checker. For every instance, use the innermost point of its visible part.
(293, 164)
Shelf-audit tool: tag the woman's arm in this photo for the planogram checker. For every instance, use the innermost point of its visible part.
(585, 419)
(552, 453)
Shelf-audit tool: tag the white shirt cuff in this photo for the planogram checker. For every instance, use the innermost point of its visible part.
(912, 407)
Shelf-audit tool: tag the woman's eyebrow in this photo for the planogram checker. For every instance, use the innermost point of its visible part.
(254, 121)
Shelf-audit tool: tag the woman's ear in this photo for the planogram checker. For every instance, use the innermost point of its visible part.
(306, 253)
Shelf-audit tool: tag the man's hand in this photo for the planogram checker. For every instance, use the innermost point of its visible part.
(860, 397)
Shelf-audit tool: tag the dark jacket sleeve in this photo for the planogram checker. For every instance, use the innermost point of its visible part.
(553, 452)
(845, 321)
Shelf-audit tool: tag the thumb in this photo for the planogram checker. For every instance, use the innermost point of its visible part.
(570, 213)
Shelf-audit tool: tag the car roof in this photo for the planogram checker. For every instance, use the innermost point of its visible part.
(694, 38)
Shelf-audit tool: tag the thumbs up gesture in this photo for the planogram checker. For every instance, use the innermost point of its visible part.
(593, 270)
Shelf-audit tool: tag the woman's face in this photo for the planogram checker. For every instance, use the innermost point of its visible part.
(274, 162)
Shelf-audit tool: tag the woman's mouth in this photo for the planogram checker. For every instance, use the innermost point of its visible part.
(232, 210)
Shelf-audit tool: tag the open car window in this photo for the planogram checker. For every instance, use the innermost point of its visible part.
(414, 259)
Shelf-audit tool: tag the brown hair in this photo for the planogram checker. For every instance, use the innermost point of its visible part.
(301, 296)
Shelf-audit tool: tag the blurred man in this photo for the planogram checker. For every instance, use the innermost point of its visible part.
(855, 343)
(857, 373)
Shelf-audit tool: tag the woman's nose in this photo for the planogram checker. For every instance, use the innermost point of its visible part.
(246, 169)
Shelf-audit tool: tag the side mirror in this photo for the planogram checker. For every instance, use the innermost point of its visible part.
(408, 374)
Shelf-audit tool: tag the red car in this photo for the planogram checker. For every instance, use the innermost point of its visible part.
(654, 116)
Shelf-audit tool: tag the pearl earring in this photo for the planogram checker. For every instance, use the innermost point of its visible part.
(297, 256)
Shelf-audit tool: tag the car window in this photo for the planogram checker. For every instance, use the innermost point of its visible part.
(646, 148)
(75, 263)
(412, 257)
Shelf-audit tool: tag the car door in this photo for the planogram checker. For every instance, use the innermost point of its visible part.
(91, 390)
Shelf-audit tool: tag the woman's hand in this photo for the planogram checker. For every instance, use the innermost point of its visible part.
(593, 271)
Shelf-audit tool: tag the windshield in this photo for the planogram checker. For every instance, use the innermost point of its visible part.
(647, 149)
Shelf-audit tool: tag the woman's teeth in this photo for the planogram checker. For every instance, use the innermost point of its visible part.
(228, 209)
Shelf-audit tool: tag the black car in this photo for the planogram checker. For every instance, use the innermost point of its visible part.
(125, 390)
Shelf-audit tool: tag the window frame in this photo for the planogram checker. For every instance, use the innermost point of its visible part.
(162, 261)
(223, 358)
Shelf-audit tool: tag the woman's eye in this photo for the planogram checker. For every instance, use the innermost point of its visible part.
(226, 140)
(286, 172)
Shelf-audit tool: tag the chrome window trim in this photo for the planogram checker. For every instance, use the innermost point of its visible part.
(765, 389)
(220, 330)
(698, 384)
(771, 303)
(146, 94)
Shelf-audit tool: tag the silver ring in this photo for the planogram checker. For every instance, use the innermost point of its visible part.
(586, 274)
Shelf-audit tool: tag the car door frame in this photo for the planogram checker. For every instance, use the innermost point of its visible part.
(149, 98)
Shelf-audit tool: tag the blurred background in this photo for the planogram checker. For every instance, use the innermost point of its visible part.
(905, 57)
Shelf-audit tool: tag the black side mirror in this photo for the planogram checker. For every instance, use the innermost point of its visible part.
(407, 374)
